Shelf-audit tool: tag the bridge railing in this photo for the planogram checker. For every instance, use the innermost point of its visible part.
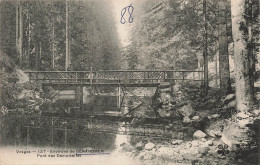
(115, 76)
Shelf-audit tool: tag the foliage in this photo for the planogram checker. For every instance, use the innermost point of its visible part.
(169, 34)
(93, 37)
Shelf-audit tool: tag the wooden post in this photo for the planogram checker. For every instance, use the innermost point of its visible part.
(119, 98)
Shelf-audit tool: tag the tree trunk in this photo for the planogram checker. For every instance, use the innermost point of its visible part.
(205, 49)
(199, 69)
(29, 39)
(40, 53)
(53, 37)
(17, 26)
(67, 60)
(224, 72)
(243, 79)
(21, 35)
(36, 56)
(216, 71)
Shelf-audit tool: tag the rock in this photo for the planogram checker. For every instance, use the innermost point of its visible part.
(127, 148)
(199, 134)
(188, 156)
(217, 133)
(37, 108)
(232, 104)
(164, 85)
(188, 145)
(165, 98)
(229, 98)
(221, 156)
(175, 141)
(214, 116)
(203, 150)
(141, 155)
(149, 156)
(195, 143)
(256, 112)
(211, 133)
(149, 146)
(242, 123)
(194, 152)
(164, 113)
(199, 155)
(203, 139)
(209, 143)
(186, 119)
(186, 110)
(195, 118)
(242, 115)
(139, 145)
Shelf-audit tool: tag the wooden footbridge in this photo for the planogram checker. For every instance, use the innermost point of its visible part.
(131, 78)
(120, 79)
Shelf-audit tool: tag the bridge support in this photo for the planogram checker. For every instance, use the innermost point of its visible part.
(119, 98)
(79, 96)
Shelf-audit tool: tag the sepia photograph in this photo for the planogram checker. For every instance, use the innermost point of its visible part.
(129, 82)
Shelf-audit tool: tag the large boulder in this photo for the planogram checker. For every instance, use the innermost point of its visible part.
(126, 147)
(186, 120)
(149, 146)
(164, 113)
(139, 146)
(199, 134)
(186, 110)
(229, 98)
(203, 150)
(176, 141)
(232, 104)
(195, 118)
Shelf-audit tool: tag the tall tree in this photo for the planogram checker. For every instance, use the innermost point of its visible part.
(20, 34)
(224, 72)
(28, 36)
(243, 78)
(67, 60)
(205, 47)
(17, 25)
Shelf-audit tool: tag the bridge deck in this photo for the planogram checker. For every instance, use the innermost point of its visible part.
(115, 77)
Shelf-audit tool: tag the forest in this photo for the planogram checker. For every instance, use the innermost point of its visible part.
(219, 40)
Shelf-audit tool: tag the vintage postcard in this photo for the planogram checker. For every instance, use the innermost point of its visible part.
(128, 82)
